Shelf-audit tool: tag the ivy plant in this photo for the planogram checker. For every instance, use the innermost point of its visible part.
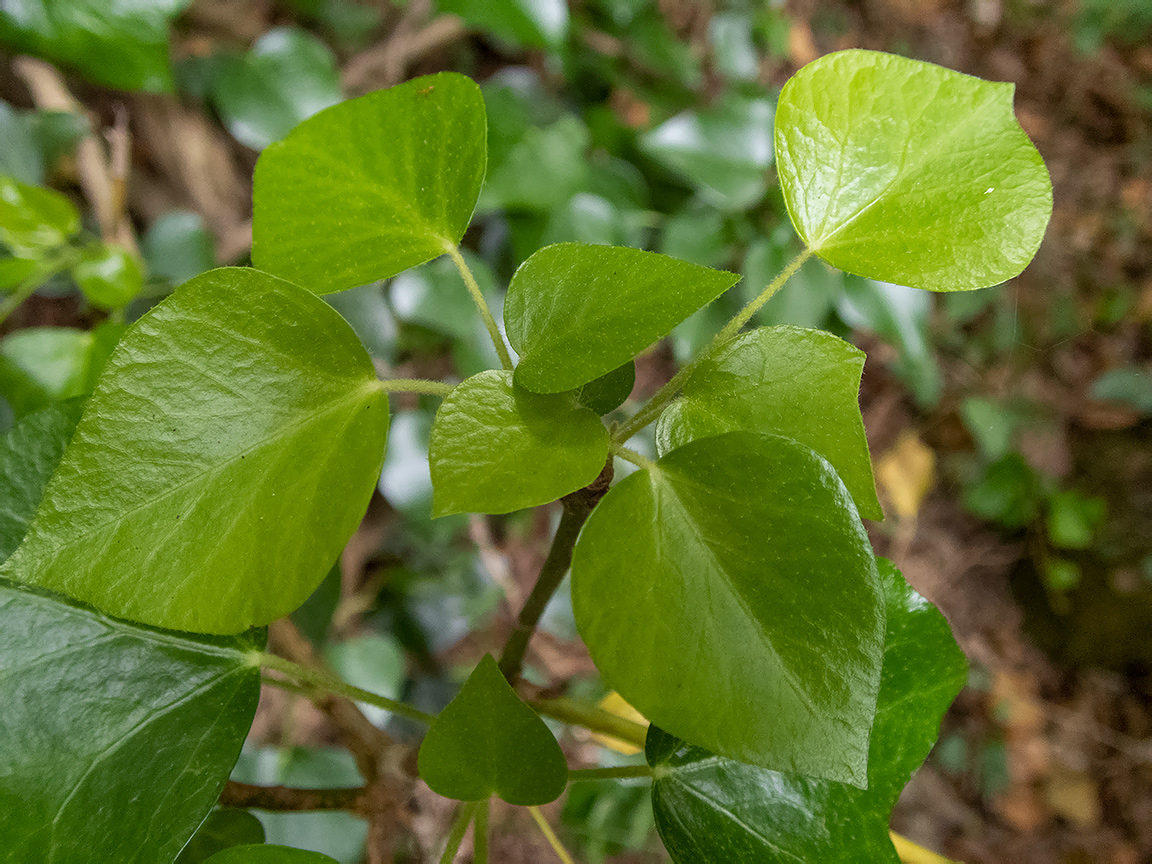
(726, 588)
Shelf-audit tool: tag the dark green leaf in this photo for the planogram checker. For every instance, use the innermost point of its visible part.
(801, 384)
(909, 173)
(42, 365)
(712, 810)
(238, 388)
(576, 312)
(1130, 386)
(1008, 492)
(109, 276)
(496, 447)
(117, 738)
(537, 23)
(223, 829)
(178, 247)
(609, 391)
(29, 453)
(487, 742)
(121, 44)
(268, 855)
(372, 186)
(542, 170)
(730, 594)
(724, 152)
(285, 78)
(33, 219)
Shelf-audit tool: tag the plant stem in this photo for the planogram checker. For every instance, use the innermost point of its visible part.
(913, 853)
(671, 390)
(323, 681)
(28, 287)
(632, 456)
(591, 717)
(550, 836)
(464, 814)
(480, 834)
(621, 772)
(287, 799)
(481, 304)
(416, 385)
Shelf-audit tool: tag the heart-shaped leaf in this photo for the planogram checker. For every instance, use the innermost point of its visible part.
(261, 854)
(115, 740)
(909, 173)
(730, 594)
(712, 810)
(789, 381)
(575, 312)
(29, 453)
(239, 388)
(372, 186)
(487, 742)
(496, 447)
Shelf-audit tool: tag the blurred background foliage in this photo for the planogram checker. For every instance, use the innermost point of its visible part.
(1010, 427)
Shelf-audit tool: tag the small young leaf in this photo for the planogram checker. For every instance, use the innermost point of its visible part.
(575, 312)
(237, 388)
(496, 447)
(223, 829)
(798, 383)
(109, 276)
(372, 186)
(29, 454)
(285, 78)
(261, 854)
(42, 365)
(34, 219)
(535, 23)
(117, 739)
(730, 594)
(487, 742)
(909, 173)
(609, 391)
(712, 810)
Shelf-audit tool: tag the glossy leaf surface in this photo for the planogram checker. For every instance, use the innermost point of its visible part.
(487, 742)
(910, 173)
(239, 388)
(121, 44)
(115, 740)
(286, 77)
(109, 276)
(223, 829)
(42, 365)
(575, 312)
(730, 594)
(801, 384)
(712, 810)
(32, 218)
(29, 453)
(496, 447)
(372, 186)
(261, 854)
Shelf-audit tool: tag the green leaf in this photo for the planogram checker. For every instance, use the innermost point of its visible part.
(712, 810)
(20, 156)
(1008, 492)
(122, 44)
(1073, 519)
(33, 219)
(42, 365)
(286, 77)
(223, 829)
(1129, 386)
(909, 173)
(576, 312)
(724, 152)
(109, 276)
(372, 186)
(178, 247)
(29, 453)
(801, 384)
(730, 594)
(543, 169)
(13, 271)
(609, 391)
(239, 388)
(496, 447)
(117, 738)
(487, 742)
(534, 23)
(260, 854)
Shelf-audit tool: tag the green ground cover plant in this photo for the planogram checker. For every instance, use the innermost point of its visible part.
(726, 588)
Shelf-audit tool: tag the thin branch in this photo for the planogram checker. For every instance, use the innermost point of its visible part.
(620, 772)
(591, 717)
(288, 799)
(628, 455)
(416, 385)
(481, 304)
(550, 836)
(464, 814)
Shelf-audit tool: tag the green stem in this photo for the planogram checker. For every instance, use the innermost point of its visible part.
(481, 304)
(621, 772)
(416, 385)
(322, 681)
(550, 836)
(671, 390)
(591, 717)
(480, 834)
(28, 287)
(464, 814)
(632, 456)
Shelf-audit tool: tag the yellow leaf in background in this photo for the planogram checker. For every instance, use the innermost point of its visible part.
(906, 474)
(614, 703)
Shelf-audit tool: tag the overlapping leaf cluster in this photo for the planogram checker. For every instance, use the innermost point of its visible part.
(727, 588)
